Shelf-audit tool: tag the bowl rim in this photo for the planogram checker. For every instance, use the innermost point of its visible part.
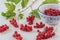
(45, 14)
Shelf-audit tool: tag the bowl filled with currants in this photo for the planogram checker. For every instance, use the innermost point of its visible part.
(50, 13)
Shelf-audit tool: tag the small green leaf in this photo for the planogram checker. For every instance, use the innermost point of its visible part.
(24, 3)
(50, 1)
(20, 16)
(10, 7)
(3, 14)
(35, 13)
(8, 14)
(15, 1)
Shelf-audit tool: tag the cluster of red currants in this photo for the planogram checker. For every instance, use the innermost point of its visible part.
(14, 22)
(30, 19)
(26, 28)
(41, 25)
(48, 33)
(52, 12)
(3, 28)
(17, 36)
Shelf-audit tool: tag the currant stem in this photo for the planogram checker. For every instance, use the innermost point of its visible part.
(28, 6)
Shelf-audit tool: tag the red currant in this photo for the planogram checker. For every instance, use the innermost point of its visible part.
(48, 33)
(3, 28)
(26, 28)
(14, 23)
(41, 25)
(52, 12)
(17, 36)
(30, 19)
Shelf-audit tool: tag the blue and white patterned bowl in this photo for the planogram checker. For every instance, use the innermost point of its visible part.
(53, 20)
